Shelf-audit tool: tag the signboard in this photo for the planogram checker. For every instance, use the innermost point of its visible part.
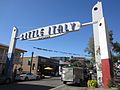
(50, 31)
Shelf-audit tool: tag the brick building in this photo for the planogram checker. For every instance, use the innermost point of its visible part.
(39, 65)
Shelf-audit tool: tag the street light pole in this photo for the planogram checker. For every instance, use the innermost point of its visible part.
(31, 61)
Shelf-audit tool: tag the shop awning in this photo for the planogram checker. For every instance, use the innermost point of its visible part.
(48, 68)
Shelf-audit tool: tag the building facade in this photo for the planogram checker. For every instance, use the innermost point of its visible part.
(62, 62)
(40, 65)
(19, 53)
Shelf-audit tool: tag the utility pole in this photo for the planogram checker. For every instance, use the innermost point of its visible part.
(31, 61)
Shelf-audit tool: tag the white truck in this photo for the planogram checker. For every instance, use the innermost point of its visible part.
(72, 74)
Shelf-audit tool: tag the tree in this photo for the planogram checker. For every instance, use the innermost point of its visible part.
(116, 51)
(115, 48)
(90, 49)
(78, 63)
(111, 37)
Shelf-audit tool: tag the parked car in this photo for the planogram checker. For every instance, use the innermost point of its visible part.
(27, 76)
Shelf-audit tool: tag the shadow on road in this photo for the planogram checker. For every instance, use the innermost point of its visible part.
(78, 85)
(16, 86)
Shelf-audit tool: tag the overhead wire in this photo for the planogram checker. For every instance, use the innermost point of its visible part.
(56, 51)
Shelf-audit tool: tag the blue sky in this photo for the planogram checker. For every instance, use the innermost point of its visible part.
(31, 14)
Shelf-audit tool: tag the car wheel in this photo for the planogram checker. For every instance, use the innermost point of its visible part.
(26, 78)
(37, 77)
(64, 82)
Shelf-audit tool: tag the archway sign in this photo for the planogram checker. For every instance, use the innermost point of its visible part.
(101, 42)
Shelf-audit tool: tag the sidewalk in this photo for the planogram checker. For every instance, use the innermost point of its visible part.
(103, 89)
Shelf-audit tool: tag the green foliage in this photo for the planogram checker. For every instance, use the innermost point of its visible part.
(111, 37)
(78, 62)
(90, 49)
(111, 84)
(115, 48)
(92, 83)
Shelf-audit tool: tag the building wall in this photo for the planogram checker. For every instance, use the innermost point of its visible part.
(39, 64)
(26, 66)
(3, 57)
(3, 53)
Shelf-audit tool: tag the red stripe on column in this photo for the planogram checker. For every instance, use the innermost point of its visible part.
(106, 72)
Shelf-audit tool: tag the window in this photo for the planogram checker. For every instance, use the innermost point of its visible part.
(33, 66)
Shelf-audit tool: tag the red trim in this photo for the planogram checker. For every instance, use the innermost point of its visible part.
(106, 72)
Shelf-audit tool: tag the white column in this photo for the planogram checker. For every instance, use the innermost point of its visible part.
(97, 14)
(10, 56)
(105, 51)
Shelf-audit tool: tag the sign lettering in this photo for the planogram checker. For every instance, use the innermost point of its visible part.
(50, 31)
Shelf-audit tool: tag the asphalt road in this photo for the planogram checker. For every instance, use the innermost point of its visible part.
(43, 84)
(53, 83)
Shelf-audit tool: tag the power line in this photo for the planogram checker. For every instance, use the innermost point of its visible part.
(56, 51)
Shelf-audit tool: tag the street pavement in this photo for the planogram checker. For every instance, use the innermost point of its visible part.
(50, 83)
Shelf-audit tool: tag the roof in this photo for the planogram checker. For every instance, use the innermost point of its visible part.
(6, 46)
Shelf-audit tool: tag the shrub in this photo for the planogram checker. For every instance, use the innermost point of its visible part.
(112, 84)
(92, 83)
